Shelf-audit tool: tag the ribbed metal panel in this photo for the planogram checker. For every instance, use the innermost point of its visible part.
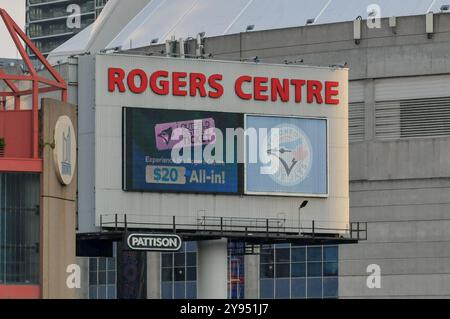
(356, 121)
(413, 118)
(418, 87)
(355, 91)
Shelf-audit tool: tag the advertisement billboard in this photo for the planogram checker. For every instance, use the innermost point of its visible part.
(300, 155)
(159, 159)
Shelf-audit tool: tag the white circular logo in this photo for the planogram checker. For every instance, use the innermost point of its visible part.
(294, 154)
(64, 153)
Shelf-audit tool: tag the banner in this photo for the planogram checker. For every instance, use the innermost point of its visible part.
(157, 143)
(300, 155)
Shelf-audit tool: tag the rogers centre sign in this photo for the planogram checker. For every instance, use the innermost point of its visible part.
(258, 88)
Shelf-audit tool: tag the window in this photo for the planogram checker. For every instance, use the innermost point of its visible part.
(236, 270)
(179, 273)
(103, 277)
(299, 272)
(19, 228)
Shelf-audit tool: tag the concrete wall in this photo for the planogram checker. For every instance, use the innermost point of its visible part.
(401, 187)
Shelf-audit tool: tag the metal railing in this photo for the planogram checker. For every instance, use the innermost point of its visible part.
(227, 225)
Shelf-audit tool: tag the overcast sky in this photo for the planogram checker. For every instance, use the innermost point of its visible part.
(16, 9)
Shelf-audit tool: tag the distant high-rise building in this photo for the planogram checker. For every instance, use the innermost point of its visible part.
(49, 23)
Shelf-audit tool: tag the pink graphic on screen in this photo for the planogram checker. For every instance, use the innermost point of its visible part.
(165, 139)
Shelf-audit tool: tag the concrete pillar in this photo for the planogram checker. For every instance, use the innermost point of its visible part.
(83, 292)
(212, 270)
(251, 276)
(153, 275)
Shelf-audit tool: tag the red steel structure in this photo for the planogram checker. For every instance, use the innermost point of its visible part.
(20, 127)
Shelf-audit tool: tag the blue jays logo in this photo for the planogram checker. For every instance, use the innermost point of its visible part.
(294, 154)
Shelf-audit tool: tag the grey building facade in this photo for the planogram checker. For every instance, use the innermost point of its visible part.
(47, 20)
(399, 150)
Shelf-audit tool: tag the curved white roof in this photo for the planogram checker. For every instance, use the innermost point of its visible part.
(162, 19)
(140, 23)
(114, 17)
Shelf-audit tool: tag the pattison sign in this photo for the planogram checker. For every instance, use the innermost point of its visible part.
(154, 242)
(246, 87)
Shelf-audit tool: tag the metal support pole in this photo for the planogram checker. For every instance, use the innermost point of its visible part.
(174, 224)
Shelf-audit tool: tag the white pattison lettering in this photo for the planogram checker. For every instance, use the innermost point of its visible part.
(138, 241)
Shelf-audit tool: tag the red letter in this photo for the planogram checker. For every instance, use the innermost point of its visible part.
(178, 83)
(238, 87)
(116, 77)
(260, 88)
(131, 80)
(164, 89)
(298, 84)
(197, 82)
(281, 90)
(213, 82)
(330, 92)
(314, 91)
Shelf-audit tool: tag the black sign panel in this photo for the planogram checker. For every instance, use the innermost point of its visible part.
(154, 242)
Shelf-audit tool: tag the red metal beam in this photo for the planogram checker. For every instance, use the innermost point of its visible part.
(21, 165)
(20, 292)
(9, 83)
(15, 31)
(57, 83)
(16, 77)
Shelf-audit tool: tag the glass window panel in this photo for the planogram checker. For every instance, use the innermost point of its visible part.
(330, 287)
(282, 254)
(298, 254)
(179, 290)
(166, 274)
(282, 289)
(314, 269)
(101, 264)
(298, 288)
(191, 259)
(330, 269)
(191, 246)
(266, 289)
(314, 253)
(92, 292)
(298, 269)
(179, 274)
(166, 260)
(282, 270)
(93, 264)
(266, 256)
(166, 290)
(112, 292)
(191, 273)
(191, 290)
(111, 263)
(314, 288)
(92, 278)
(102, 291)
(330, 253)
(266, 270)
(102, 277)
(111, 277)
(179, 259)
